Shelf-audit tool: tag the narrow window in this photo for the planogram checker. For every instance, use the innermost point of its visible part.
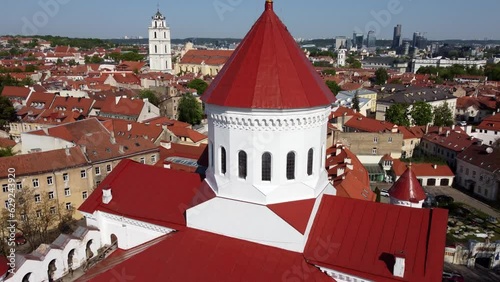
(290, 166)
(155, 34)
(266, 167)
(223, 160)
(156, 49)
(310, 156)
(242, 165)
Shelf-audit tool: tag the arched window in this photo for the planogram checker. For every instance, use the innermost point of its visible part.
(310, 156)
(290, 166)
(155, 34)
(223, 167)
(266, 167)
(242, 165)
(164, 35)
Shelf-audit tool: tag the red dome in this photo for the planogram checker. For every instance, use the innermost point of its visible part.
(407, 188)
(268, 71)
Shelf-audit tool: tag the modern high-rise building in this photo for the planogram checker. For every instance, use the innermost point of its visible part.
(419, 41)
(160, 50)
(371, 40)
(357, 40)
(397, 40)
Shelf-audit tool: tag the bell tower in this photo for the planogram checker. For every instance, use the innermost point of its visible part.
(160, 49)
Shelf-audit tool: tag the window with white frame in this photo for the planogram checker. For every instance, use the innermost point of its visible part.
(109, 168)
(50, 180)
(69, 206)
(142, 160)
(51, 195)
(38, 199)
(52, 210)
(39, 213)
(83, 173)
(374, 151)
(97, 170)
(67, 192)
(36, 184)
(85, 195)
(153, 159)
(65, 177)
(375, 139)
(390, 139)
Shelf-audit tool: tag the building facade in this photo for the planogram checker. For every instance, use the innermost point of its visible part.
(160, 49)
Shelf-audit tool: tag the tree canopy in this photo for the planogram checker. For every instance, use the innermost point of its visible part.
(190, 109)
(329, 72)
(150, 95)
(334, 87)
(421, 113)
(443, 116)
(398, 114)
(381, 76)
(355, 102)
(198, 84)
(7, 112)
(353, 62)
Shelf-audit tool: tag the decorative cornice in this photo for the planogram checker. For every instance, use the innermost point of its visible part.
(137, 223)
(271, 123)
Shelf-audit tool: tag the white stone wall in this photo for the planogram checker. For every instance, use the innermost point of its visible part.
(277, 132)
(160, 49)
(44, 143)
(485, 183)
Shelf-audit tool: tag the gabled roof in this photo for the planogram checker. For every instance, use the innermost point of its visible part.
(41, 100)
(193, 255)
(490, 123)
(479, 156)
(16, 92)
(208, 57)
(360, 238)
(268, 71)
(407, 188)
(163, 198)
(125, 106)
(422, 169)
(194, 135)
(369, 125)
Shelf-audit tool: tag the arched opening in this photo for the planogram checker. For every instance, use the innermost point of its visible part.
(88, 250)
(445, 182)
(290, 166)
(26, 277)
(156, 49)
(242, 165)
(155, 34)
(266, 167)
(431, 182)
(223, 163)
(51, 270)
(71, 254)
(114, 240)
(310, 156)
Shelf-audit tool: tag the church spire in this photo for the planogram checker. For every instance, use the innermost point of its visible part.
(269, 5)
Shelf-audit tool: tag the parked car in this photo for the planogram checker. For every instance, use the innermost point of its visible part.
(444, 200)
(462, 123)
(384, 193)
(430, 201)
(452, 277)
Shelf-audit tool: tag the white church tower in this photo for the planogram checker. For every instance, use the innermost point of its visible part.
(160, 49)
(341, 57)
(267, 141)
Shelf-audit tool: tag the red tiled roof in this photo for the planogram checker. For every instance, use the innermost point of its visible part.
(193, 255)
(478, 156)
(41, 100)
(196, 153)
(407, 188)
(268, 71)
(296, 214)
(16, 91)
(71, 103)
(164, 196)
(125, 106)
(35, 163)
(360, 238)
(369, 125)
(194, 135)
(121, 129)
(6, 142)
(490, 123)
(457, 140)
(421, 169)
(208, 57)
(167, 121)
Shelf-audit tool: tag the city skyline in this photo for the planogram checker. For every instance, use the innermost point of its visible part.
(231, 19)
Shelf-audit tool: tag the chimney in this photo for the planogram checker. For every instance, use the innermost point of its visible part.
(106, 195)
(434, 166)
(447, 133)
(167, 165)
(129, 126)
(121, 150)
(84, 149)
(440, 130)
(66, 150)
(117, 99)
(112, 138)
(399, 265)
(427, 128)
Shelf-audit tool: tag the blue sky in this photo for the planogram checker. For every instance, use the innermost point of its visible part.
(441, 19)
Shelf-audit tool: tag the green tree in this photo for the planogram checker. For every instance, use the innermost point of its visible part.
(72, 63)
(334, 87)
(381, 76)
(190, 109)
(421, 113)
(355, 102)
(7, 152)
(198, 84)
(7, 112)
(131, 56)
(30, 68)
(59, 62)
(150, 95)
(398, 114)
(329, 72)
(443, 115)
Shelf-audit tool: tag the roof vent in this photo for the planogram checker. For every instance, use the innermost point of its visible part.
(399, 265)
(489, 150)
(106, 196)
